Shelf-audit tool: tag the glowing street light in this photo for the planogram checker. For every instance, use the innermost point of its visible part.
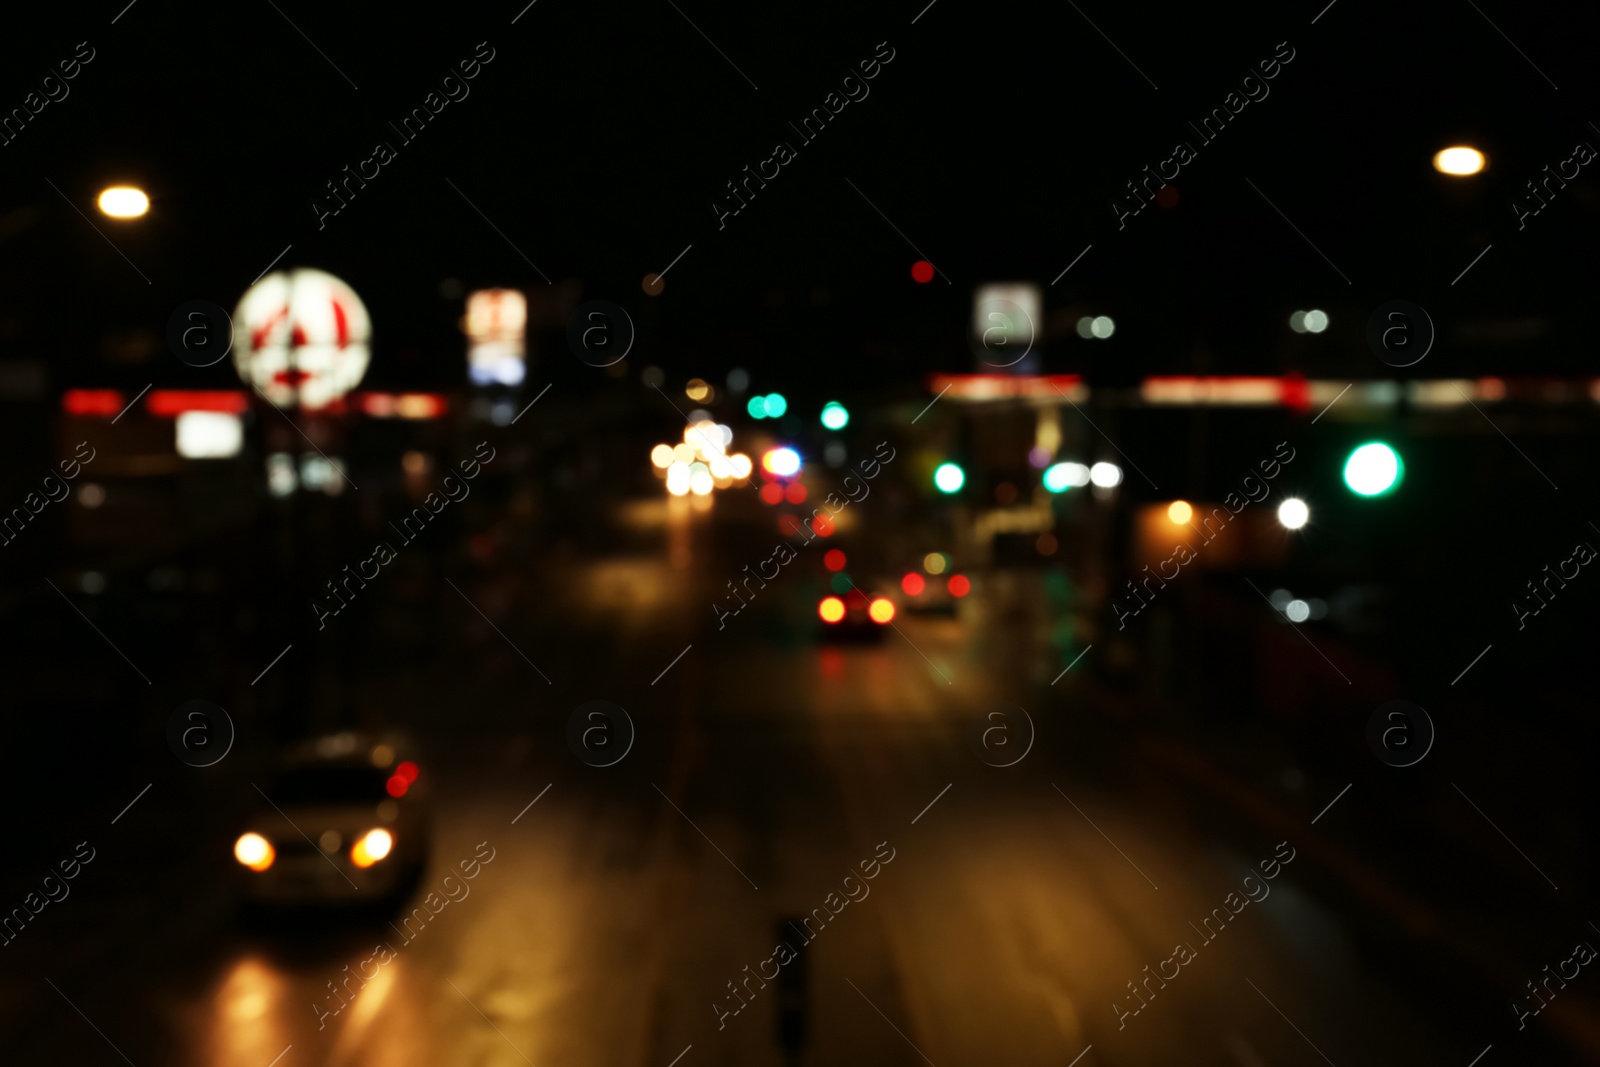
(834, 415)
(1293, 514)
(123, 202)
(1459, 161)
(1179, 512)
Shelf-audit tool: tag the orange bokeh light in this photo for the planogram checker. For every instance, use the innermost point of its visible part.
(831, 609)
(882, 610)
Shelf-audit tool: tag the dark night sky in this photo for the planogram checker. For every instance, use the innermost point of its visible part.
(995, 140)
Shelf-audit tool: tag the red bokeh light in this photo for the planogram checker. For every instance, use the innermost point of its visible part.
(922, 272)
(912, 584)
(823, 525)
(795, 494)
(958, 585)
(167, 403)
(396, 786)
(91, 402)
(407, 771)
(788, 525)
(771, 493)
(834, 560)
(856, 599)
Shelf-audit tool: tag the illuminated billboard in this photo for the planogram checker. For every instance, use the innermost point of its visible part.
(495, 326)
(301, 338)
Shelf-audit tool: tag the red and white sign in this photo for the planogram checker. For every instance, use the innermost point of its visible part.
(301, 337)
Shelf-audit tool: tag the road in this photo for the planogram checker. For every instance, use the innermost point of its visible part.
(1018, 908)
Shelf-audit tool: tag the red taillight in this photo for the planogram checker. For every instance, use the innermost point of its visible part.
(396, 786)
(833, 560)
(407, 771)
(959, 585)
(92, 402)
(912, 584)
(795, 493)
(168, 403)
(772, 493)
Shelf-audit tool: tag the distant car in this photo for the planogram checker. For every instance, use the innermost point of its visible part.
(855, 616)
(345, 821)
(934, 593)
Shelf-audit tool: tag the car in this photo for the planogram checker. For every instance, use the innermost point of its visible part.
(345, 821)
(855, 616)
(934, 587)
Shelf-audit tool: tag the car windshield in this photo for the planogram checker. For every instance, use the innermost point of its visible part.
(329, 784)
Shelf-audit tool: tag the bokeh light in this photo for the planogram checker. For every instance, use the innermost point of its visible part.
(1459, 161)
(124, 202)
(1372, 469)
(1105, 475)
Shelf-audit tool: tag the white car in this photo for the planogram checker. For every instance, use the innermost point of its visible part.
(346, 821)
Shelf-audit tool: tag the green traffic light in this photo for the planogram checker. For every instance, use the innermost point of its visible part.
(949, 478)
(757, 407)
(1373, 469)
(776, 405)
(834, 415)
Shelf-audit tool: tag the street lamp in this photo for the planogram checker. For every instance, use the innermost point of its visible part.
(1458, 161)
(123, 202)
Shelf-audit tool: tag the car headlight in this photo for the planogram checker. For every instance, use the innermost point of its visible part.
(254, 851)
(371, 847)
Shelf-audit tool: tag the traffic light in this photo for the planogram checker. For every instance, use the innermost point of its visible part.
(834, 415)
(1373, 469)
(949, 478)
(775, 404)
(757, 407)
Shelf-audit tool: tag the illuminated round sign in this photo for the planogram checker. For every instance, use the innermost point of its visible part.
(301, 338)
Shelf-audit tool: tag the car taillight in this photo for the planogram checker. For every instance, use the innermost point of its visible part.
(831, 609)
(881, 610)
